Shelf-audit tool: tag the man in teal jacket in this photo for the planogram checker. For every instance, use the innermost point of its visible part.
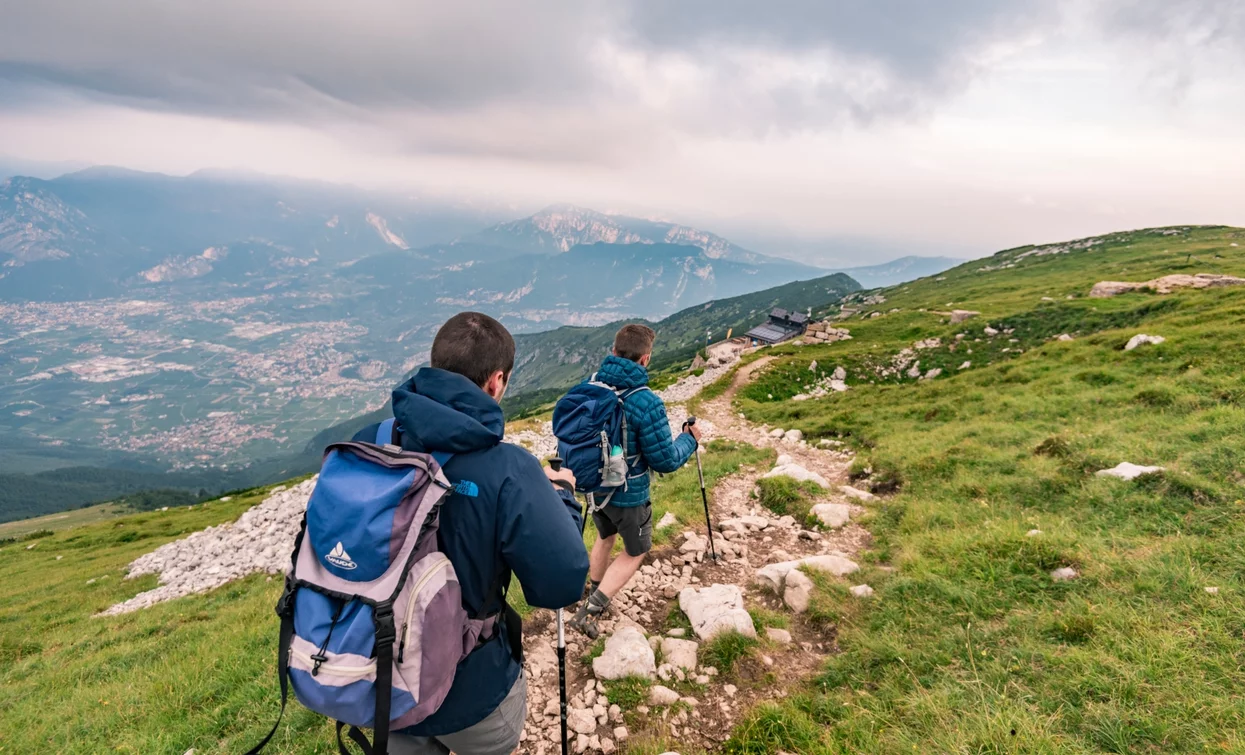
(650, 447)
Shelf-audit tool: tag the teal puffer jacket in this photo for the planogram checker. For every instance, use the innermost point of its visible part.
(649, 441)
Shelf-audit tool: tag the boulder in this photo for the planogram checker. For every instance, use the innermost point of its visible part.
(662, 695)
(990, 331)
(781, 636)
(679, 653)
(960, 315)
(581, 721)
(966, 365)
(716, 609)
(798, 473)
(776, 432)
(793, 436)
(798, 591)
(774, 576)
(1141, 339)
(1064, 573)
(832, 515)
(627, 653)
(1127, 471)
(1064, 337)
(862, 591)
(839, 374)
(856, 493)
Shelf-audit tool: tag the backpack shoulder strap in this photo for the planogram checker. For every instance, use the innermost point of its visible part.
(384, 432)
(624, 395)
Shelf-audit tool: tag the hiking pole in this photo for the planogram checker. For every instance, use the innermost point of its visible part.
(700, 471)
(555, 463)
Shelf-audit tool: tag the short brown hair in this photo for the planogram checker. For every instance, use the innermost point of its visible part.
(475, 346)
(634, 341)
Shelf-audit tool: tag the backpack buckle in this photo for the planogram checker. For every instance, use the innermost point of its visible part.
(386, 630)
(285, 604)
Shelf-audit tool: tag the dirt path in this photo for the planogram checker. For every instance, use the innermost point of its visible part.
(711, 703)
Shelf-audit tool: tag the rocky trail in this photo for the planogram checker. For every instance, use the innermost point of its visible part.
(691, 702)
(660, 626)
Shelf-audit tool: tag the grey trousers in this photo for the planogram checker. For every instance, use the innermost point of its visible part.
(498, 734)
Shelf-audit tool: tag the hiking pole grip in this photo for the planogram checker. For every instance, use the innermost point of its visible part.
(555, 463)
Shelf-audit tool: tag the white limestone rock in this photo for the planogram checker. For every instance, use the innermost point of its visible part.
(798, 473)
(627, 653)
(798, 591)
(1128, 471)
(716, 609)
(860, 495)
(679, 653)
(661, 695)
(1141, 339)
(832, 515)
(1064, 573)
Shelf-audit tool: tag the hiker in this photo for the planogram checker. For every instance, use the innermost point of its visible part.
(503, 516)
(627, 510)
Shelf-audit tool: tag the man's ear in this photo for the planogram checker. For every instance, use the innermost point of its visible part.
(644, 360)
(495, 386)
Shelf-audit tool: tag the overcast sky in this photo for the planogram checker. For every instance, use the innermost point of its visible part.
(966, 125)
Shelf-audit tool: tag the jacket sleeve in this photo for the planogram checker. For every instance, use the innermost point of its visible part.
(663, 452)
(541, 535)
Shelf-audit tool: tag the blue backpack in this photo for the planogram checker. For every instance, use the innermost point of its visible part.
(372, 621)
(591, 427)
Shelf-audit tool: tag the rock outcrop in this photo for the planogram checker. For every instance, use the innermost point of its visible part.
(1164, 285)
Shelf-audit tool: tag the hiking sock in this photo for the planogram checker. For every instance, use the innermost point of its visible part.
(593, 585)
(585, 619)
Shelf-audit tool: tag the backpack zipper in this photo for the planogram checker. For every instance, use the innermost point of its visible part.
(332, 669)
(410, 604)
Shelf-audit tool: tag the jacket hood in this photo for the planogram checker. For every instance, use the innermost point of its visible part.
(622, 374)
(444, 411)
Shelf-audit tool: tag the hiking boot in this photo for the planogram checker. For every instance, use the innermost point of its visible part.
(585, 620)
(585, 625)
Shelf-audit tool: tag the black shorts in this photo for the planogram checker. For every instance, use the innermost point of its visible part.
(634, 523)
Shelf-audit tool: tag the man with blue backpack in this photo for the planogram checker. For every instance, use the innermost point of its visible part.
(394, 614)
(612, 433)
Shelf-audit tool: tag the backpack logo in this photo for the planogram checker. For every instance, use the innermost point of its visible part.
(340, 558)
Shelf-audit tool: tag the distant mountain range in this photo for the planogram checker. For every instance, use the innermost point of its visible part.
(105, 231)
(562, 227)
(548, 362)
(900, 270)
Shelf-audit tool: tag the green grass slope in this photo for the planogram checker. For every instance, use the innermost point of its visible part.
(196, 672)
(970, 646)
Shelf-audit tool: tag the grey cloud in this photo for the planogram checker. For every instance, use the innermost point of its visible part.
(284, 57)
(914, 37)
(527, 79)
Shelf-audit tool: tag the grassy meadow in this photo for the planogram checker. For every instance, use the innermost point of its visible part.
(198, 672)
(970, 646)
